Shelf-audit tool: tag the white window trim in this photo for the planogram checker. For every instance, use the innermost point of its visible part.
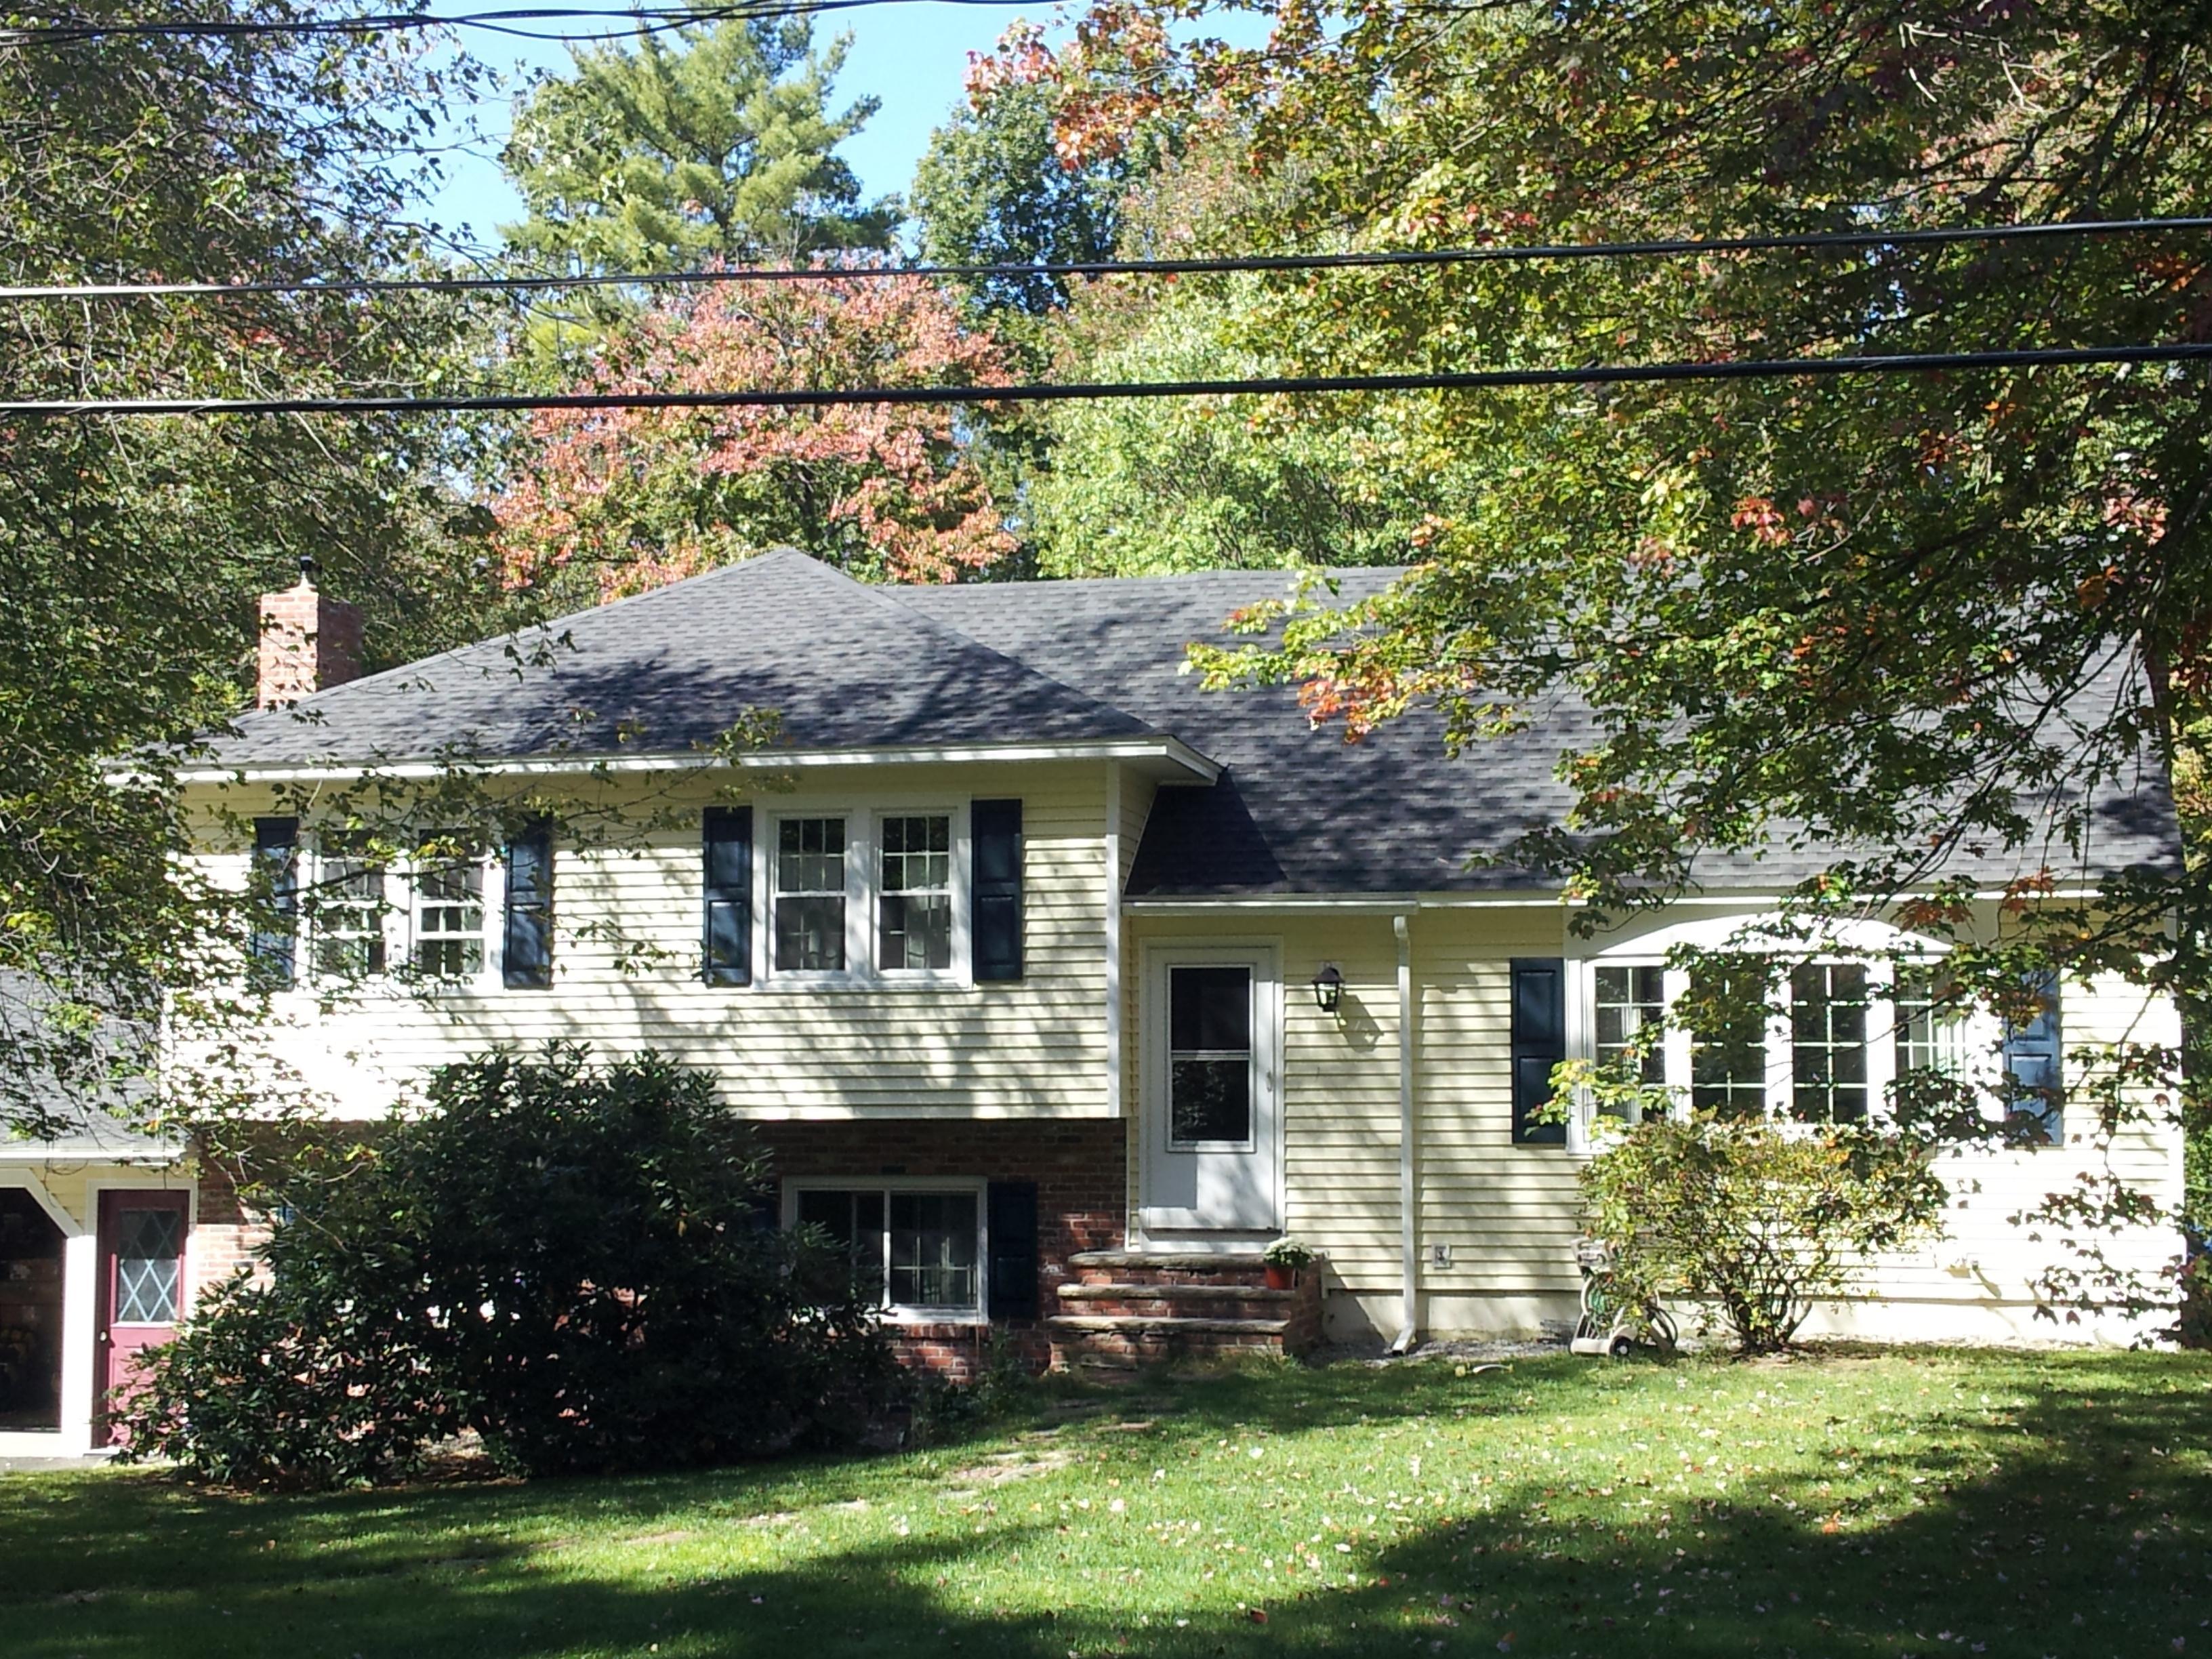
(1980, 1041)
(397, 932)
(863, 885)
(901, 1313)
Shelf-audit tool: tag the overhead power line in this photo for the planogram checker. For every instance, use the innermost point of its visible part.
(1474, 379)
(69, 29)
(1812, 241)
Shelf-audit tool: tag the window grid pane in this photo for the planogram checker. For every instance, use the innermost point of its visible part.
(933, 1250)
(350, 903)
(449, 918)
(915, 911)
(1629, 1005)
(1828, 1058)
(1209, 1055)
(810, 900)
(1931, 1033)
(1728, 1064)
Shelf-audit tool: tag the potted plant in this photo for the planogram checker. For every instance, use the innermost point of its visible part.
(1283, 1259)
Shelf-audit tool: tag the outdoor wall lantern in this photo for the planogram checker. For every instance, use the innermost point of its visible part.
(1328, 988)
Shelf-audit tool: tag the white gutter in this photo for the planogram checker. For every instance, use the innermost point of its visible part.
(1172, 751)
(1409, 1244)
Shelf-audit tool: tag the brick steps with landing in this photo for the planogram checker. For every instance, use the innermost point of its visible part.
(1194, 1301)
(1134, 1307)
(1147, 1267)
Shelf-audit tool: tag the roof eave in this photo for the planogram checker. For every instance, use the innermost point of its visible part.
(1167, 756)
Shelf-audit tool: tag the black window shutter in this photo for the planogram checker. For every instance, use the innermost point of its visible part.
(727, 916)
(528, 957)
(2034, 1064)
(1012, 1224)
(1539, 1042)
(273, 953)
(995, 828)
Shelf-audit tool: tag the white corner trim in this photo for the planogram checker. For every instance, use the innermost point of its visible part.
(1115, 1086)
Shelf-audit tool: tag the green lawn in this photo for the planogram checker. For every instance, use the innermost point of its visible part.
(1936, 1503)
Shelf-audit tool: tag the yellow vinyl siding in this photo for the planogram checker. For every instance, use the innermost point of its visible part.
(627, 977)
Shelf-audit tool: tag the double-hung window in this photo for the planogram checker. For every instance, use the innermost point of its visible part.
(915, 895)
(346, 907)
(808, 912)
(1627, 1005)
(1828, 1042)
(916, 1251)
(1929, 1032)
(859, 897)
(1727, 1051)
(448, 923)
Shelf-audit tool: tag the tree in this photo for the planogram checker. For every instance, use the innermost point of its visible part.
(1902, 616)
(567, 1259)
(993, 188)
(603, 504)
(715, 143)
(134, 547)
(1855, 607)
(1143, 488)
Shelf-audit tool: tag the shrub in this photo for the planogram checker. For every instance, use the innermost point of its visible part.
(1758, 1219)
(570, 1260)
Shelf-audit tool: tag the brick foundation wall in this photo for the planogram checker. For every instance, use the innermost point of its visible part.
(1081, 1175)
(223, 1233)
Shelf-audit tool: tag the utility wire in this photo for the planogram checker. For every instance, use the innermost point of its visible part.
(1593, 374)
(1380, 259)
(653, 20)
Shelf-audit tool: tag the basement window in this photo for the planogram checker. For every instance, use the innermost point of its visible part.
(916, 1250)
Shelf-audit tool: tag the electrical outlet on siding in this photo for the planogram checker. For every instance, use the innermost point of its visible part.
(1440, 1254)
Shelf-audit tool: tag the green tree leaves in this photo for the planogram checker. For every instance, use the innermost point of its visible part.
(714, 143)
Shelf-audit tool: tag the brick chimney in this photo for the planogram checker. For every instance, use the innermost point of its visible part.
(309, 643)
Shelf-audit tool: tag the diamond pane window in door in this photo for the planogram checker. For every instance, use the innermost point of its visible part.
(1209, 1055)
(148, 1246)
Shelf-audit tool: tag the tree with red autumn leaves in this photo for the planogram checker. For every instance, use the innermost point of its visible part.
(606, 502)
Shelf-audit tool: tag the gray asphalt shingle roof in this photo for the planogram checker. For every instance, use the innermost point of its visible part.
(846, 666)
(1296, 811)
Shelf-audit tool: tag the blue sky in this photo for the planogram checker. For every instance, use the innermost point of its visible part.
(914, 56)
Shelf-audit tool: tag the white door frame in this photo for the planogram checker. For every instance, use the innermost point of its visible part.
(79, 1269)
(1184, 1226)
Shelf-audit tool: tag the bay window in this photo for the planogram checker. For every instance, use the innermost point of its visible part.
(1819, 1041)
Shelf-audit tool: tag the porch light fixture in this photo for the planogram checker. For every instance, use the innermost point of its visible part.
(1328, 988)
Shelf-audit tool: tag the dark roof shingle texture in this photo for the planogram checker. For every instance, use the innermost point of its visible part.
(848, 667)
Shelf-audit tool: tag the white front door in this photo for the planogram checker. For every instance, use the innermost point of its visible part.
(1211, 1113)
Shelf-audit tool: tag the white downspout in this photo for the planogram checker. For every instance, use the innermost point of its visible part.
(1408, 1243)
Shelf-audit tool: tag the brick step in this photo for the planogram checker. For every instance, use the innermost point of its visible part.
(1156, 1325)
(1171, 1301)
(1166, 1268)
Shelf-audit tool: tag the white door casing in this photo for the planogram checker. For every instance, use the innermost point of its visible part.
(1214, 1187)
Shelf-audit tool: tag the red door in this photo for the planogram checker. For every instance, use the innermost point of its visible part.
(142, 1281)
